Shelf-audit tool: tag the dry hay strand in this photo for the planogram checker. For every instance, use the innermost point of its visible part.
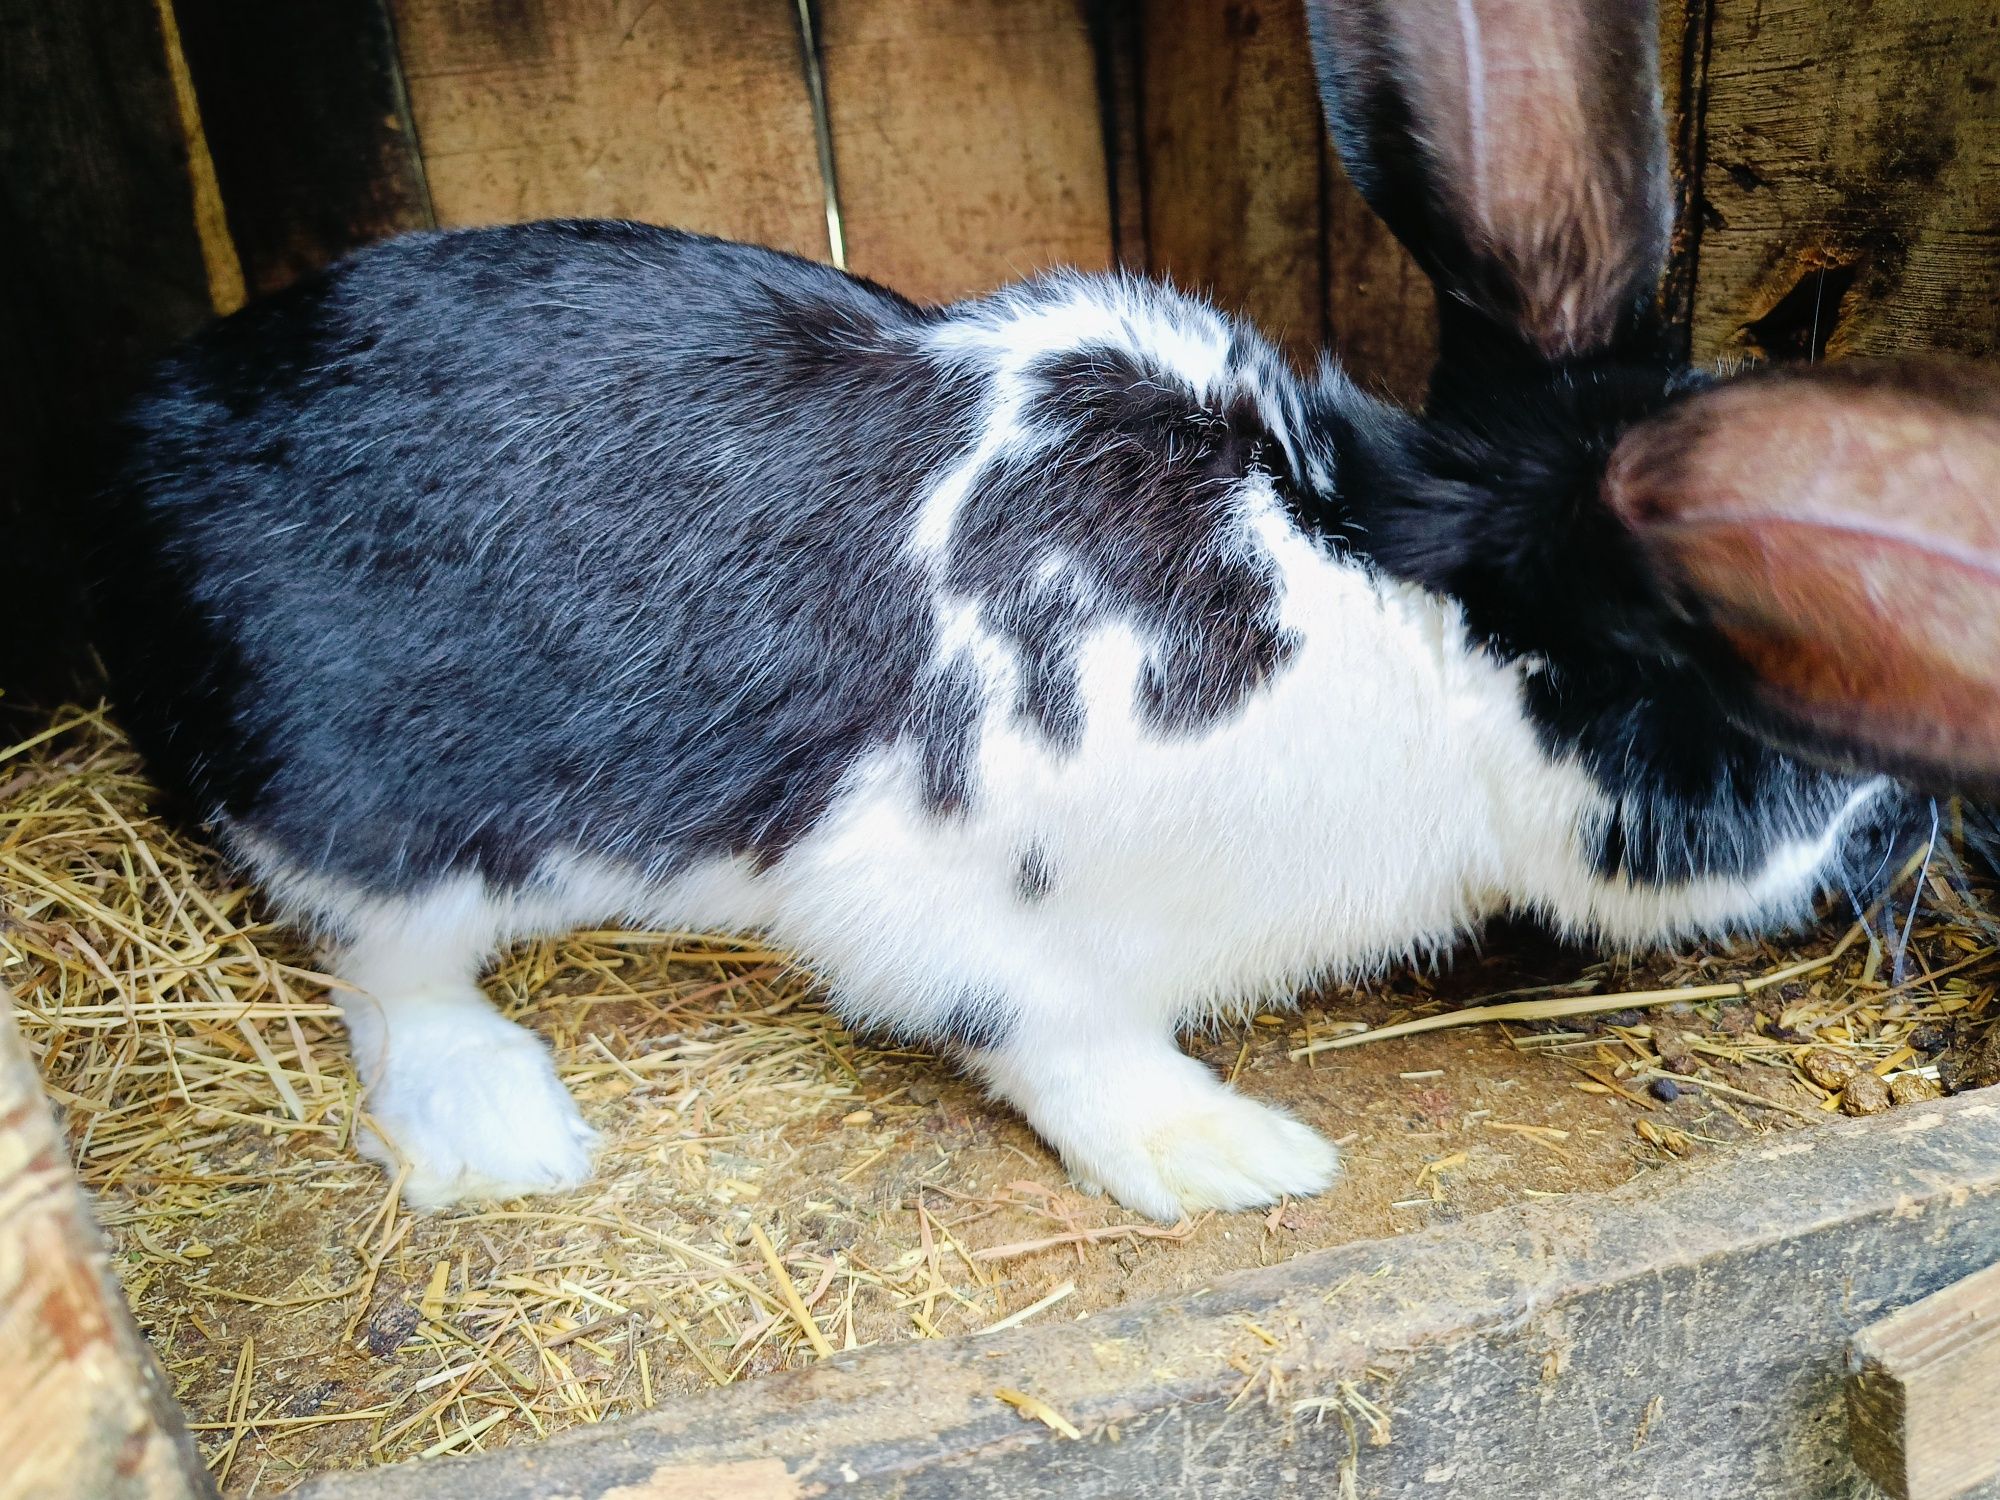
(772, 1189)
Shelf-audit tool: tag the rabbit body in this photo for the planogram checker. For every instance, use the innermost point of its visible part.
(1019, 664)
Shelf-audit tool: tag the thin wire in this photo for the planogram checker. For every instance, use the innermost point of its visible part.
(1916, 900)
(836, 236)
(1812, 346)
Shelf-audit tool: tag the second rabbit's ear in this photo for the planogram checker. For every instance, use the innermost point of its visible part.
(1517, 147)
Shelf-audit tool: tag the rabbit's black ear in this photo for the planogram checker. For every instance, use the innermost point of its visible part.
(1517, 147)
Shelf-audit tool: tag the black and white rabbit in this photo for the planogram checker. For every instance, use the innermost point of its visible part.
(1050, 671)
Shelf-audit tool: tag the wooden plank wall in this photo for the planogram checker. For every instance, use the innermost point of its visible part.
(1234, 157)
(1850, 196)
(1839, 162)
(967, 135)
(967, 141)
(691, 114)
(308, 127)
(100, 267)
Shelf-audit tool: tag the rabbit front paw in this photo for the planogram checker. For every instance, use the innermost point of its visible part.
(471, 1103)
(1226, 1152)
(1158, 1131)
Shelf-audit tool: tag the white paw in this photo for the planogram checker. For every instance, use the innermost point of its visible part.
(1221, 1151)
(472, 1103)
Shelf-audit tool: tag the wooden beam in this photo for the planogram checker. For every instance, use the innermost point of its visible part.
(1922, 1403)
(1232, 149)
(100, 270)
(969, 140)
(1851, 189)
(84, 1412)
(308, 125)
(1684, 1335)
(103, 268)
(1686, 31)
(1381, 315)
(689, 115)
(1117, 43)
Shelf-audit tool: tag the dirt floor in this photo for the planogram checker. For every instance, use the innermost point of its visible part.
(759, 1155)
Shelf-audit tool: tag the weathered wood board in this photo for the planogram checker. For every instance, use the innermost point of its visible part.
(1232, 139)
(1381, 316)
(100, 268)
(1683, 1336)
(1926, 1390)
(1116, 37)
(967, 141)
(84, 1412)
(306, 120)
(694, 115)
(1685, 29)
(1851, 189)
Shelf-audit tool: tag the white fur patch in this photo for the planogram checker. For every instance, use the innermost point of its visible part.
(1153, 1127)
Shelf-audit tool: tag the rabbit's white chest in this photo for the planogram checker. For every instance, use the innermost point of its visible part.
(1344, 815)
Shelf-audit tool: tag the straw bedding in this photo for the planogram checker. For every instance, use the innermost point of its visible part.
(773, 1187)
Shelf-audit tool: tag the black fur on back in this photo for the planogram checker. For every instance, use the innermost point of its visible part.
(593, 538)
(491, 544)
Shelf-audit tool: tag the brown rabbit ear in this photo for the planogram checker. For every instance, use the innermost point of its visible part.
(1840, 526)
(1516, 146)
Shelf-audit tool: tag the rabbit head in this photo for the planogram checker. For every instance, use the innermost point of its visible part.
(1518, 149)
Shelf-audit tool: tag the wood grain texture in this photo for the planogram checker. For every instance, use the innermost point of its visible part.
(968, 139)
(1686, 29)
(1852, 182)
(1925, 1391)
(309, 129)
(101, 258)
(226, 291)
(1232, 143)
(1381, 313)
(84, 1412)
(1591, 1348)
(100, 269)
(693, 115)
